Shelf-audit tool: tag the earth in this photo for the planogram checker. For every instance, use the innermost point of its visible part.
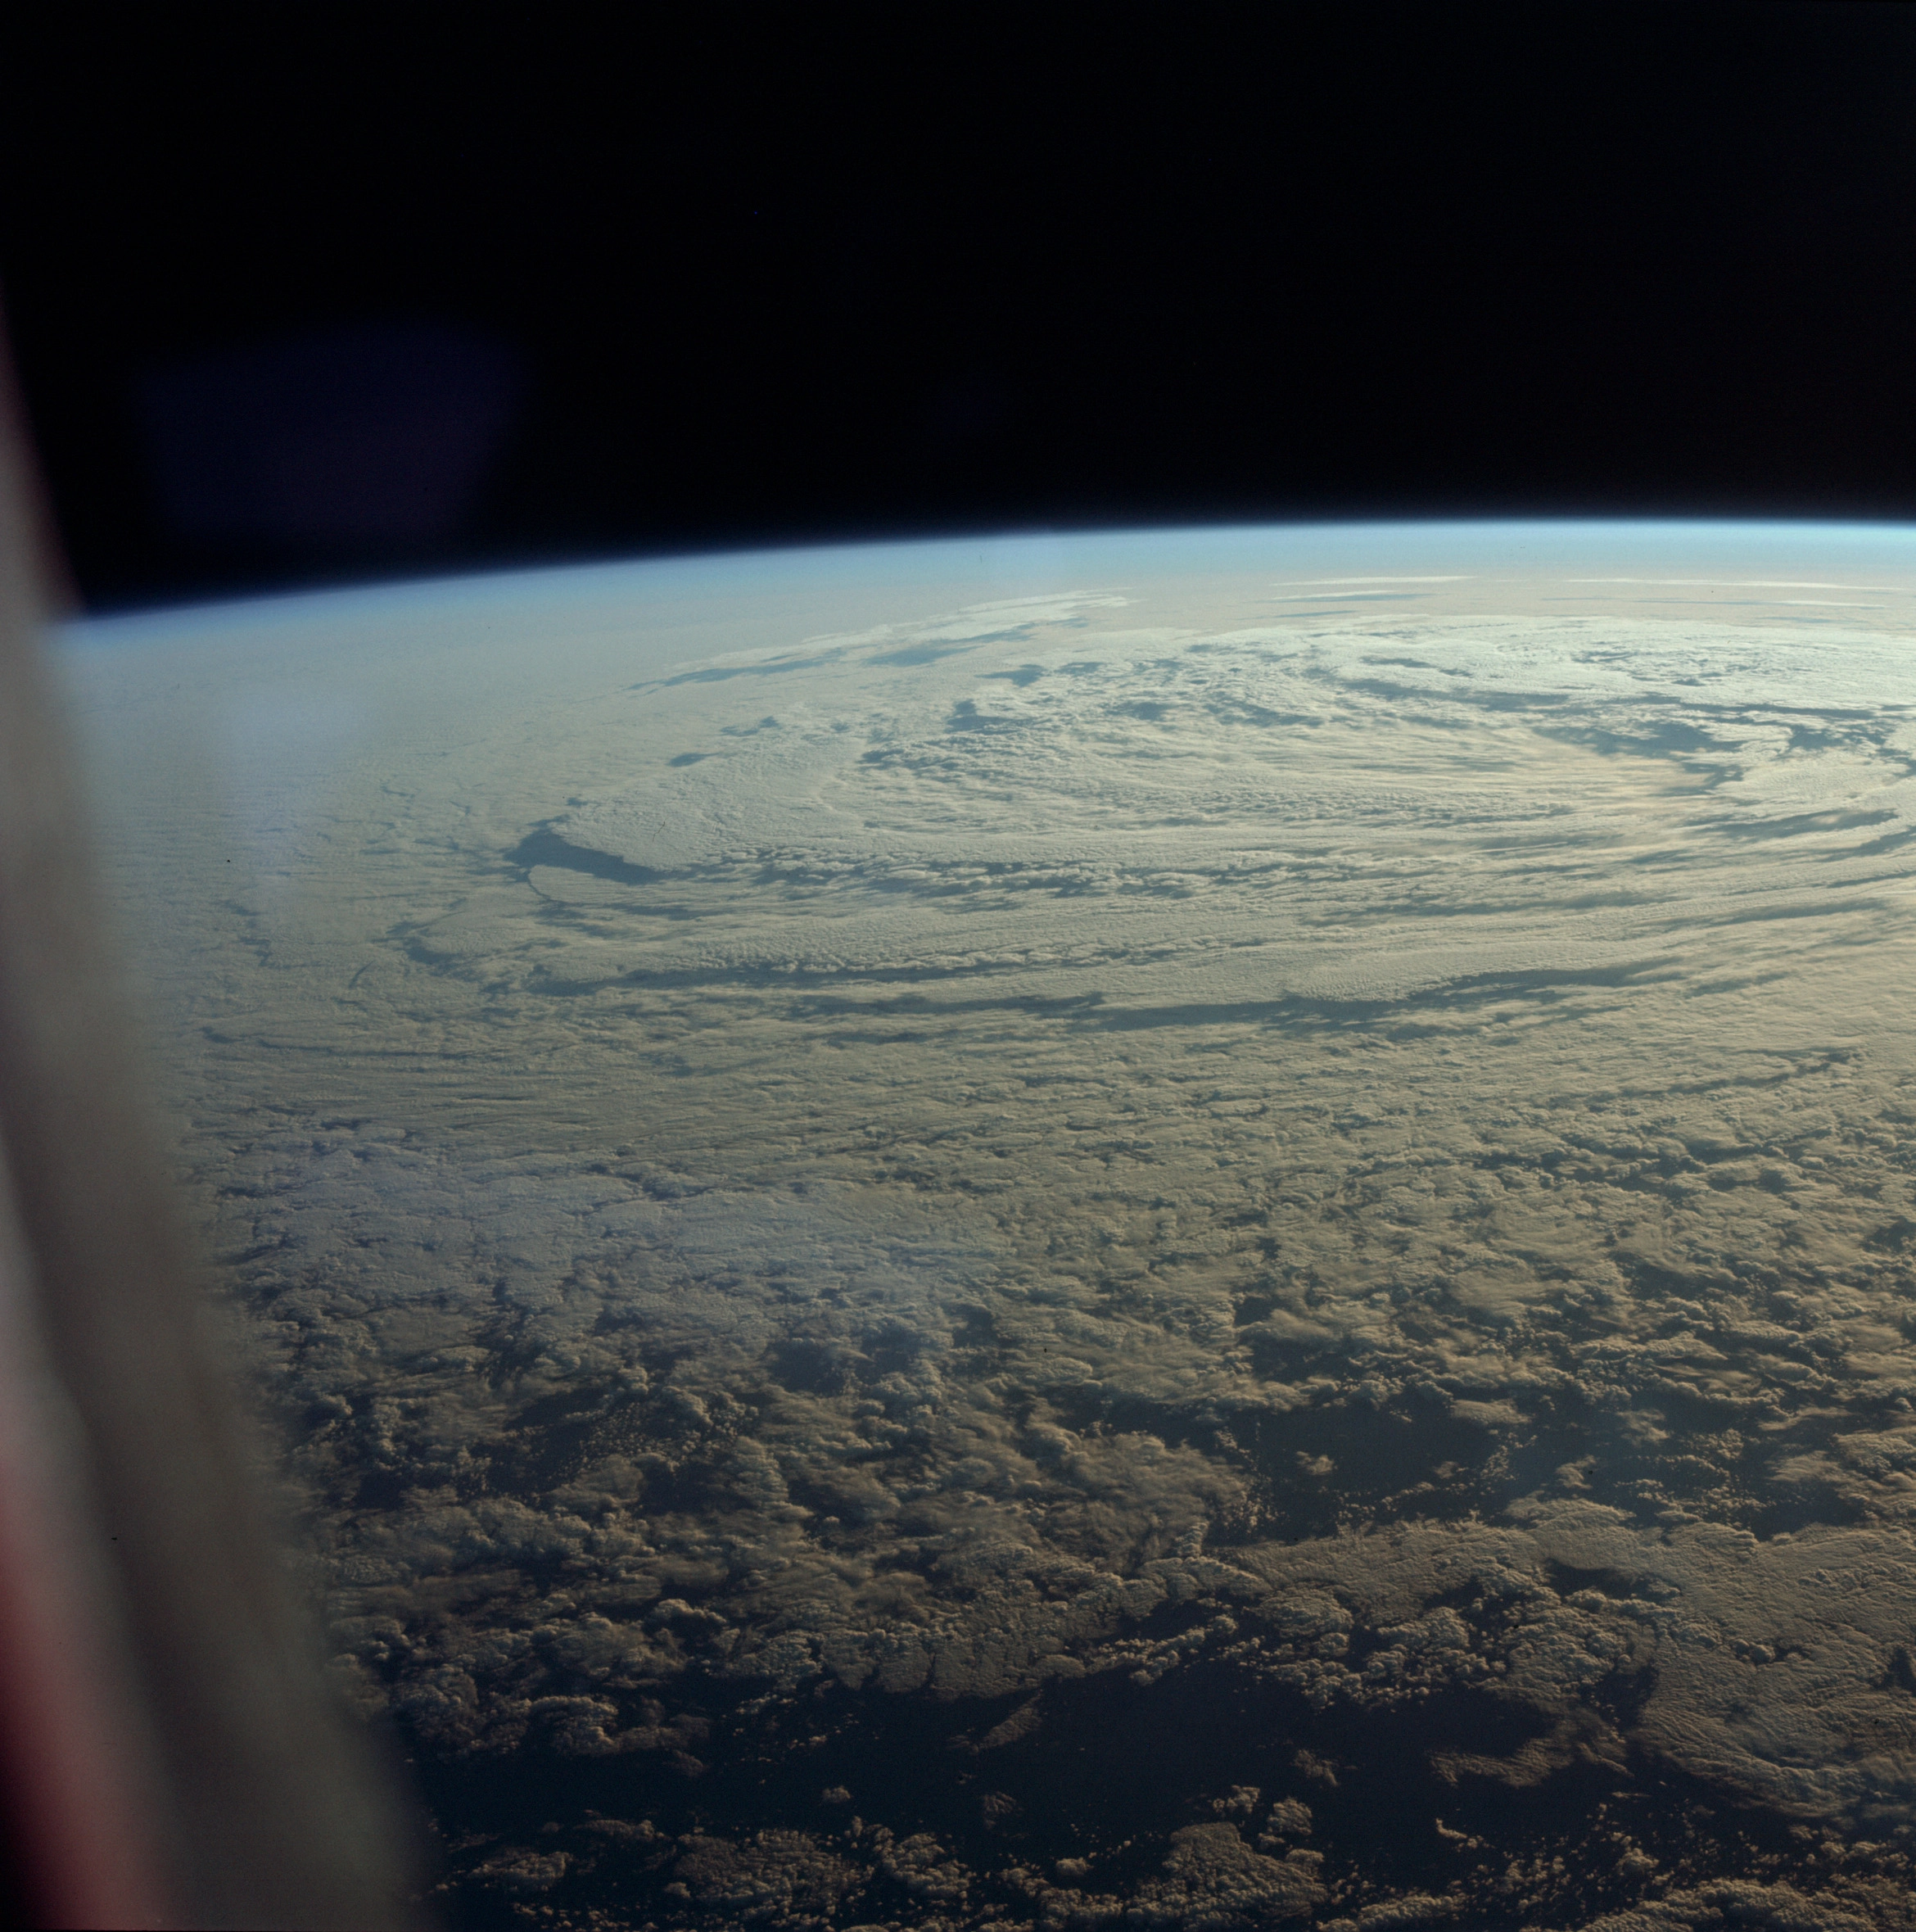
(1190, 1229)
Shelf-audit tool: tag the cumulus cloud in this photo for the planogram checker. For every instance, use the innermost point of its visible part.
(1026, 1171)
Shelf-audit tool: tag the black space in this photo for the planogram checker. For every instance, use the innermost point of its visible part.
(764, 276)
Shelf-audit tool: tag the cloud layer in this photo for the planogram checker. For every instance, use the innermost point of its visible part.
(1027, 1170)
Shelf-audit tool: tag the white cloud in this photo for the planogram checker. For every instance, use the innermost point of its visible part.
(1371, 1158)
(1741, 583)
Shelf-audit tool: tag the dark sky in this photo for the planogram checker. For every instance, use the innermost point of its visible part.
(313, 291)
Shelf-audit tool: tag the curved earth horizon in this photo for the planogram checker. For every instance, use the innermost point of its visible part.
(1192, 1227)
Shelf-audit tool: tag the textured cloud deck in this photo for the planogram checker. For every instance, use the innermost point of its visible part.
(1208, 1229)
